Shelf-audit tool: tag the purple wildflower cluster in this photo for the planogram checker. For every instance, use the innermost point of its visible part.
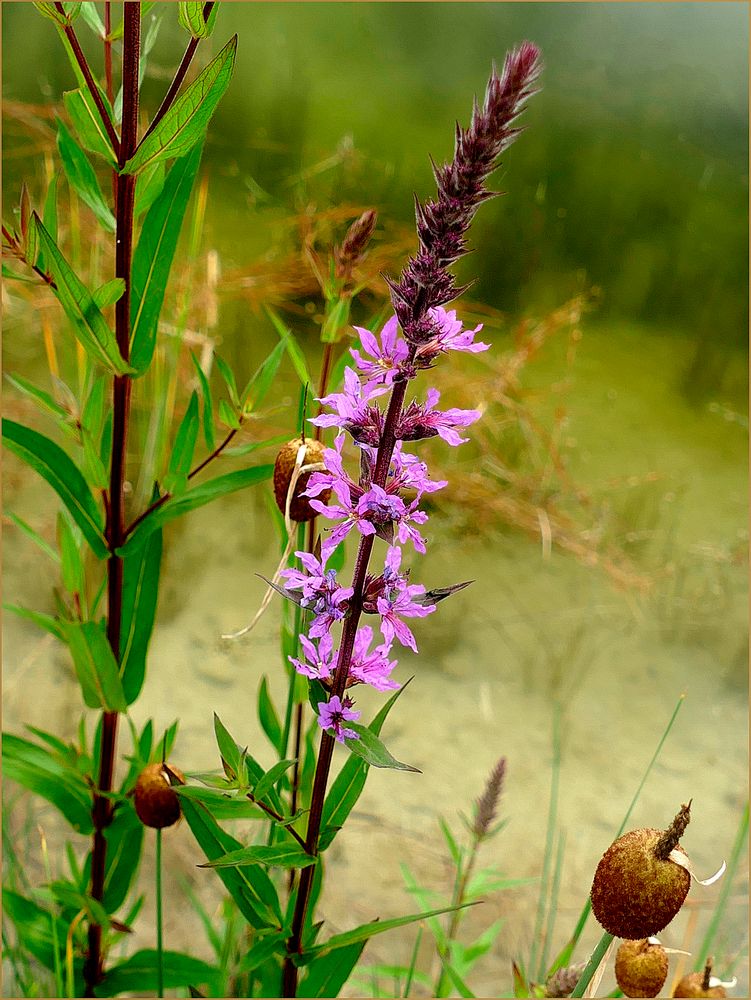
(383, 499)
(391, 512)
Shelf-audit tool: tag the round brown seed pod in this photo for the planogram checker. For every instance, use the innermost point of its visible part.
(637, 889)
(641, 968)
(699, 984)
(156, 801)
(284, 466)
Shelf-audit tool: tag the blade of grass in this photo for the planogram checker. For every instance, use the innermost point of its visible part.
(549, 841)
(159, 928)
(727, 888)
(593, 964)
(412, 963)
(553, 902)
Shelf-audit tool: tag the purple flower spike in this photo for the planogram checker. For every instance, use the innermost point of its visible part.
(333, 713)
(354, 412)
(372, 668)
(396, 600)
(451, 336)
(317, 663)
(319, 592)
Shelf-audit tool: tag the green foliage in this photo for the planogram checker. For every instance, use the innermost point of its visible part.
(153, 256)
(192, 499)
(89, 325)
(176, 480)
(140, 973)
(52, 463)
(372, 751)
(96, 667)
(141, 572)
(82, 178)
(190, 15)
(279, 855)
(326, 976)
(185, 122)
(88, 124)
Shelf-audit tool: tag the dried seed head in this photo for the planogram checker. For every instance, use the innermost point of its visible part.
(284, 468)
(641, 968)
(355, 243)
(637, 888)
(156, 802)
(563, 981)
(701, 984)
(487, 804)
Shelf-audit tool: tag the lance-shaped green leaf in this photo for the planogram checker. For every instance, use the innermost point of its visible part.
(50, 11)
(221, 805)
(46, 775)
(255, 391)
(181, 458)
(54, 465)
(208, 404)
(124, 838)
(191, 499)
(149, 183)
(40, 397)
(140, 973)
(43, 621)
(108, 293)
(140, 592)
(328, 974)
(71, 553)
(270, 778)
(190, 15)
(153, 256)
(82, 178)
(49, 215)
(96, 667)
(268, 717)
(281, 855)
(88, 124)
(91, 16)
(349, 783)
(369, 930)
(184, 124)
(40, 932)
(35, 537)
(90, 326)
(372, 751)
(296, 356)
(250, 887)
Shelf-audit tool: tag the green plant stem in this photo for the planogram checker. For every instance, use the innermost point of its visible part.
(102, 809)
(457, 899)
(593, 964)
(90, 82)
(727, 888)
(159, 929)
(108, 51)
(549, 839)
(177, 81)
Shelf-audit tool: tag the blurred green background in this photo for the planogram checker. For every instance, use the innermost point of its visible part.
(632, 176)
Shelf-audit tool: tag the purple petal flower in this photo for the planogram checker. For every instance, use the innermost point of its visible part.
(422, 420)
(353, 410)
(333, 713)
(393, 598)
(319, 591)
(388, 358)
(372, 668)
(316, 663)
(450, 336)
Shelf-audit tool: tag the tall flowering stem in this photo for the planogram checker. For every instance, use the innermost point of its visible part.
(373, 506)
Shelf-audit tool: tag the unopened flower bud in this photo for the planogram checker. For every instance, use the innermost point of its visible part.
(284, 468)
(352, 249)
(156, 801)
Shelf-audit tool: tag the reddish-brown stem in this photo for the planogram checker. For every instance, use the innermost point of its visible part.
(102, 809)
(90, 82)
(167, 496)
(325, 753)
(177, 82)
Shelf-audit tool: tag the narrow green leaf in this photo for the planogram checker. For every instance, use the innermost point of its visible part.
(451, 843)
(44, 774)
(208, 404)
(296, 356)
(281, 855)
(91, 16)
(372, 751)
(140, 593)
(196, 497)
(50, 11)
(369, 930)
(36, 538)
(69, 895)
(228, 416)
(229, 750)
(140, 973)
(12, 275)
(221, 805)
(185, 444)
(52, 463)
(267, 782)
(229, 378)
(264, 949)
(268, 717)
(327, 975)
(82, 178)
(153, 256)
(49, 214)
(35, 928)
(95, 665)
(46, 622)
(90, 326)
(149, 184)
(89, 126)
(259, 385)
(108, 293)
(124, 838)
(250, 887)
(185, 122)
(190, 15)
(71, 553)
(349, 783)
(42, 398)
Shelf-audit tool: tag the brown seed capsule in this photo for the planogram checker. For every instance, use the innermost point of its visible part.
(698, 984)
(300, 509)
(156, 802)
(641, 968)
(637, 889)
